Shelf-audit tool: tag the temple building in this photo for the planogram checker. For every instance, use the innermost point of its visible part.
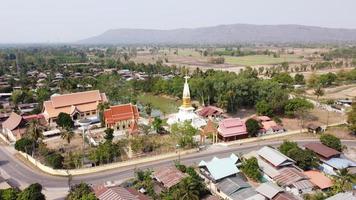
(122, 117)
(186, 110)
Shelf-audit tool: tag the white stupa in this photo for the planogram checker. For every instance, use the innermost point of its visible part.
(186, 110)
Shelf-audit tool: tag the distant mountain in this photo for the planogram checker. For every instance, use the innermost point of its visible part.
(226, 34)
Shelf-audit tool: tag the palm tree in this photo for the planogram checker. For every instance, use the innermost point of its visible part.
(343, 180)
(34, 132)
(148, 110)
(101, 108)
(188, 189)
(318, 91)
(67, 134)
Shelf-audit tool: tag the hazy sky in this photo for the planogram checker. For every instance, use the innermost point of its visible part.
(71, 20)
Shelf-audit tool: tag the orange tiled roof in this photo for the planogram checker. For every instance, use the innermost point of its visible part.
(319, 179)
(68, 103)
(121, 112)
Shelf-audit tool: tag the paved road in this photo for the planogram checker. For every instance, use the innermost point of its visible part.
(22, 174)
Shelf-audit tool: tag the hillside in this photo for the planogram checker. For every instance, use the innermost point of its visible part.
(226, 34)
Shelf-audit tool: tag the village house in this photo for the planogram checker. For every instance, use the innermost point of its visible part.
(268, 126)
(210, 111)
(321, 181)
(294, 181)
(78, 105)
(232, 129)
(269, 190)
(324, 152)
(167, 177)
(121, 117)
(104, 192)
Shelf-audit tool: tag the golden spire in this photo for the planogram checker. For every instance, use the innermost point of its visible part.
(186, 94)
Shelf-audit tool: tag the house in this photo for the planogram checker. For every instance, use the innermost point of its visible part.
(210, 111)
(121, 117)
(14, 127)
(268, 125)
(219, 168)
(323, 151)
(232, 129)
(319, 179)
(294, 180)
(332, 165)
(274, 157)
(269, 190)
(103, 192)
(78, 105)
(235, 188)
(168, 176)
(343, 196)
(314, 128)
(284, 196)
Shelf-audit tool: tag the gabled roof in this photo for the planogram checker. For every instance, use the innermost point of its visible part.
(169, 176)
(232, 127)
(12, 122)
(210, 127)
(269, 189)
(221, 168)
(265, 167)
(340, 163)
(319, 179)
(76, 98)
(274, 157)
(236, 188)
(121, 112)
(289, 176)
(118, 193)
(284, 196)
(209, 111)
(322, 150)
(342, 196)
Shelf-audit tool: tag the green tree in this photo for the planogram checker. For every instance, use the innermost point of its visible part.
(32, 192)
(55, 160)
(109, 134)
(286, 146)
(251, 169)
(351, 118)
(253, 127)
(25, 145)
(148, 109)
(157, 124)
(188, 189)
(283, 78)
(67, 135)
(65, 121)
(299, 79)
(9, 194)
(184, 133)
(81, 191)
(304, 159)
(331, 141)
(264, 108)
(343, 181)
(34, 131)
(296, 105)
(318, 91)
(101, 108)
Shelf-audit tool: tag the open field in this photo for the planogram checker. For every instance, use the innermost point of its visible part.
(164, 104)
(339, 92)
(261, 60)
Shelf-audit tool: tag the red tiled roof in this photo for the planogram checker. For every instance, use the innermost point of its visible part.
(169, 176)
(121, 112)
(209, 111)
(232, 127)
(322, 150)
(12, 122)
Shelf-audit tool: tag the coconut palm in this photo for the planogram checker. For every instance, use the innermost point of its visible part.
(67, 134)
(35, 132)
(101, 108)
(343, 180)
(188, 189)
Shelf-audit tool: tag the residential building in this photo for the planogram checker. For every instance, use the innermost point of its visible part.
(232, 129)
(324, 152)
(103, 192)
(121, 117)
(78, 105)
(168, 176)
(294, 180)
(319, 179)
(343, 196)
(219, 168)
(269, 190)
(268, 125)
(284, 196)
(14, 127)
(235, 188)
(274, 157)
(210, 111)
(332, 165)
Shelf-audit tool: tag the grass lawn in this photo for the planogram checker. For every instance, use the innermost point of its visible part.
(261, 59)
(166, 105)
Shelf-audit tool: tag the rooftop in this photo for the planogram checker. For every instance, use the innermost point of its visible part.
(319, 179)
(340, 163)
(121, 112)
(232, 127)
(169, 176)
(236, 188)
(274, 157)
(269, 189)
(322, 150)
(221, 167)
(289, 176)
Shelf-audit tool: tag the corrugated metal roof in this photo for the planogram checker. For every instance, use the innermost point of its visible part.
(343, 196)
(322, 150)
(303, 184)
(288, 176)
(236, 188)
(275, 157)
(340, 163)
(221, 167)
(269, 189)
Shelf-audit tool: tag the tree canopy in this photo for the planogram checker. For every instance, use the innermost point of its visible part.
(331, 141)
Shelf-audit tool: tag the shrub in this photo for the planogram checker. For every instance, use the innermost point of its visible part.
(55, 160)
(331, 141)
(250, 169)
(253, 127)
(25, 145)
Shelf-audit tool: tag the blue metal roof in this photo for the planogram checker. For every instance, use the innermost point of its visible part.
(340, 163)
(221, 168)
